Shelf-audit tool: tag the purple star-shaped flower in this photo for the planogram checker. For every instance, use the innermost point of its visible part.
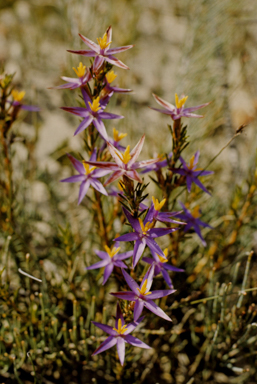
(84, 76)
(191, 173)
(192, 220)
(158, 165)
(144, 235)
(110, 259)
(125, 163)
(119, 336)
(142, 295)
(102, 51)
(93, 113)
(178, 111)
(88, 176)
(161, 266)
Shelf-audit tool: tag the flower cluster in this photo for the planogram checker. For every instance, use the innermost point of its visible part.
(147, 221)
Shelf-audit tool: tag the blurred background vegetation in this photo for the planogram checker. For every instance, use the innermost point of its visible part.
(205, 49)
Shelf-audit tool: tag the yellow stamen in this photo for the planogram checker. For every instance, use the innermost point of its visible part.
(191, 162)
(111, 252)
(110, 76)
(102, 41)
(95, 106)
(180, 102)
(161, 156)
(80, 71)
(18, 96)
(121, 328)
(142, 291)
(87, 168)
(125, 157)
(162, 259)
(158, 206)
(196, 212)
(145, 228)
(118, 136)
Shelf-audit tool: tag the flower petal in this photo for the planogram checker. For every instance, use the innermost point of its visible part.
(98, 186)
(149, 304)
(114, 177)
(83, 190)
(100, 127)
(99, 60)
(132, 174)
(167, 278)
(130, 296)
(121, 349)
(107, 344)
(109, 116)
(99, 264)
(119, 316)
(90, 43)
(103, 255)
(138, 250)
(139, 305)
(123, 256)
(116, 154)
(136, 342)
(159, 232)
(83, 52)
(73, 179)
(114, 61)
(131, 236)
(105, 328)
(131, 282)
(114, 51)
(136, 151)
(149, 277)
(164, 103)
(134, 222)
(84, 124)
(144, 163)
(192, 109)
(160, 293)
(107, 272)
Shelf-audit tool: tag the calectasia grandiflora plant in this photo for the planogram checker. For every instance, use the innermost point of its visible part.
(136, 256)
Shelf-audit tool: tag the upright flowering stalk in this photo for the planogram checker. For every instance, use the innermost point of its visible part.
(96, 87)
(119, 336)
(11, 103)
